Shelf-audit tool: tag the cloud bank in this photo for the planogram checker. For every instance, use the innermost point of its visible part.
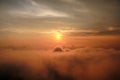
(78, 64)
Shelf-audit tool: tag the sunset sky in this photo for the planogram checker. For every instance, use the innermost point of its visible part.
(58, 19)
(75, 17)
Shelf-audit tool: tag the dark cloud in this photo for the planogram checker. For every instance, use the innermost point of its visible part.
(109, 32)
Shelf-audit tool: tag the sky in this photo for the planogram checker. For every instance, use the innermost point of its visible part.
(70, 17)
(29, 24)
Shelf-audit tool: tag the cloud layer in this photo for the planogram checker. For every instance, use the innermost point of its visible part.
(78, 64)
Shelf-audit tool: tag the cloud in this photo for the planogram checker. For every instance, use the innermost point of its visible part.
(84, 32)
(29, 8)
(81, 63)
(109, 32)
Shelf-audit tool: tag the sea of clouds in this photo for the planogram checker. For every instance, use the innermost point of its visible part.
(75, 64)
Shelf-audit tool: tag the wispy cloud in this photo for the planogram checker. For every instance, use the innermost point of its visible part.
(33, 9)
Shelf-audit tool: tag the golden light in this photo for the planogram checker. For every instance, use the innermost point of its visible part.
(58, 36)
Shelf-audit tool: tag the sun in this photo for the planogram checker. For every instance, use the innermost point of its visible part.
(58, 36)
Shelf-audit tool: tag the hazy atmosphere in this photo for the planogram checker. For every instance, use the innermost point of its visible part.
(59, 40)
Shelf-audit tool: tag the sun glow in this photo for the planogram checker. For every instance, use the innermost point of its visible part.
(58, 36)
